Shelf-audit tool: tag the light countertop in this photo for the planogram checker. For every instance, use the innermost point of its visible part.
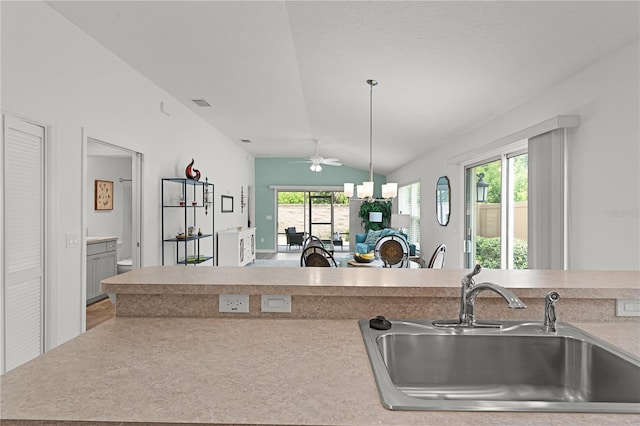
(236, 371)
(93, 240)
(386, 282)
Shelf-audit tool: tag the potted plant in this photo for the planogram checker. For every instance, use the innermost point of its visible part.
(383, 207)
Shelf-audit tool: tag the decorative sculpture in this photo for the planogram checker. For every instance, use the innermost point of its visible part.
(189, 171)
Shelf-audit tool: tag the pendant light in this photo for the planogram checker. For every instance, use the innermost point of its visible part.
(389, 190)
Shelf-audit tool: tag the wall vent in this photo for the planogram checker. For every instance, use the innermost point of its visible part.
(201, 102)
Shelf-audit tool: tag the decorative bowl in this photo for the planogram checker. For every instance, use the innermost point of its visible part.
(361, 259)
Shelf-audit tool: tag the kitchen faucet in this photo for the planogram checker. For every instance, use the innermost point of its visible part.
(470, 290)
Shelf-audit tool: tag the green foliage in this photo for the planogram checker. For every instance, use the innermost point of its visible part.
(521, 175)
(492, 175)
(376, 206)
(290, 197)
(488, 253)
(299, 198)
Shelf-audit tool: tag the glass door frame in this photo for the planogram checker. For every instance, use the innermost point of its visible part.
(507, 239)
(311, 198)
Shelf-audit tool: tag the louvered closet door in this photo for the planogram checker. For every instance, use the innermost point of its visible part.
(24, 241)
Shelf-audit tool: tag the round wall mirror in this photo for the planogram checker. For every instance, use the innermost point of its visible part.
(443, 197)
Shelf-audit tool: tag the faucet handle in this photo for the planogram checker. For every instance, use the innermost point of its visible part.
(467, 281)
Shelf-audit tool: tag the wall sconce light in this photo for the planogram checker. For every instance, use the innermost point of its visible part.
(482, 187)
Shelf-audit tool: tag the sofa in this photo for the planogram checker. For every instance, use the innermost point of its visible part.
(366, 242)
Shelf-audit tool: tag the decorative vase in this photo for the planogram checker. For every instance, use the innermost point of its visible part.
(189, 171)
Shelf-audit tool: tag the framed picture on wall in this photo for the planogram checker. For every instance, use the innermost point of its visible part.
(227, 204)
(103, 195)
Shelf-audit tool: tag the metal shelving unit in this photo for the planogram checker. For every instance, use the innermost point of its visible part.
(195, 199)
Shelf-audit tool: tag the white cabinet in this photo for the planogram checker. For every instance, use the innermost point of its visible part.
(101, 264)
(236, 247)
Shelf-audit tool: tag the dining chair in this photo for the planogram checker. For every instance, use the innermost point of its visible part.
(393, 250)
(438, 257)
(318, 257)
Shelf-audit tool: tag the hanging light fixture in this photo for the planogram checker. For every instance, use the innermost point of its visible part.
(482, 187)
(389, 190)
(315, 167)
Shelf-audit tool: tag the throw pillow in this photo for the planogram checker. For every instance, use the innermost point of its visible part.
(372, 236)
(387, 231)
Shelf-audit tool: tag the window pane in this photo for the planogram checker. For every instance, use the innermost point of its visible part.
(409, 203)
(496, 230)
(518, 214)
(487, 223)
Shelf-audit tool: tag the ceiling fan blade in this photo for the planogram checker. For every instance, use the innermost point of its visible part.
(330, 160)
(332, 163)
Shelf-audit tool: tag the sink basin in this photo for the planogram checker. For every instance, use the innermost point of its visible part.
(518, 367)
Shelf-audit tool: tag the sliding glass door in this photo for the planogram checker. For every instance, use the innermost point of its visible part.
(496, 223)
(324, 214)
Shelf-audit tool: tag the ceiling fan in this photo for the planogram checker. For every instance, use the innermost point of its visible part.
(316, 161)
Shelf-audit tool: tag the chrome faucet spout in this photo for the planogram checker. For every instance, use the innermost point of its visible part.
(468, 293)
(467, 314)
(512, 300)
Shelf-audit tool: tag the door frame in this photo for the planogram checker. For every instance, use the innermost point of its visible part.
(137, 214)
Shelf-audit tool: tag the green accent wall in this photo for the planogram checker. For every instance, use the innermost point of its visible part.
(283, 171)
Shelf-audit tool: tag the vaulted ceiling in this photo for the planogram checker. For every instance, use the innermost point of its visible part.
(283, 74)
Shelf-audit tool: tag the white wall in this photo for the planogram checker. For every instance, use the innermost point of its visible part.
(116, 222)
(55, 73)
(603, 168)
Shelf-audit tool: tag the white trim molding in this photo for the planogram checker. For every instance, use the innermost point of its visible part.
(557, 122)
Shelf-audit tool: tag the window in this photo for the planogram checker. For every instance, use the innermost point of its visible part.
(409, 203)
(497, 229)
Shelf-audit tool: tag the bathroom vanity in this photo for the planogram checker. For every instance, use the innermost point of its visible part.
(101, 264)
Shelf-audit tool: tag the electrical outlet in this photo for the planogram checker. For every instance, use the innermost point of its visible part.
(234, 303)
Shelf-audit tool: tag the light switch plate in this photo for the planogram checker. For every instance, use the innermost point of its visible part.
(628, 307)
(275, 303)
(72, 240)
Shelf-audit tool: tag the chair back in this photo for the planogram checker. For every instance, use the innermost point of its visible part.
(312, 241)
(318, 257)
(438, 257)
(393, 250)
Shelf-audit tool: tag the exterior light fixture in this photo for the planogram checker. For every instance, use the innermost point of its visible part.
(389, 190)
(482, 187)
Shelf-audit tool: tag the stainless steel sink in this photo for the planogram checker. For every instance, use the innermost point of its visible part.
(518, 367)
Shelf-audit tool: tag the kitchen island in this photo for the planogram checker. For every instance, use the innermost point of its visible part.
(235, 371)
(264, 369)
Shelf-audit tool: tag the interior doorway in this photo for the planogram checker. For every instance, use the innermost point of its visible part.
(115, 163)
